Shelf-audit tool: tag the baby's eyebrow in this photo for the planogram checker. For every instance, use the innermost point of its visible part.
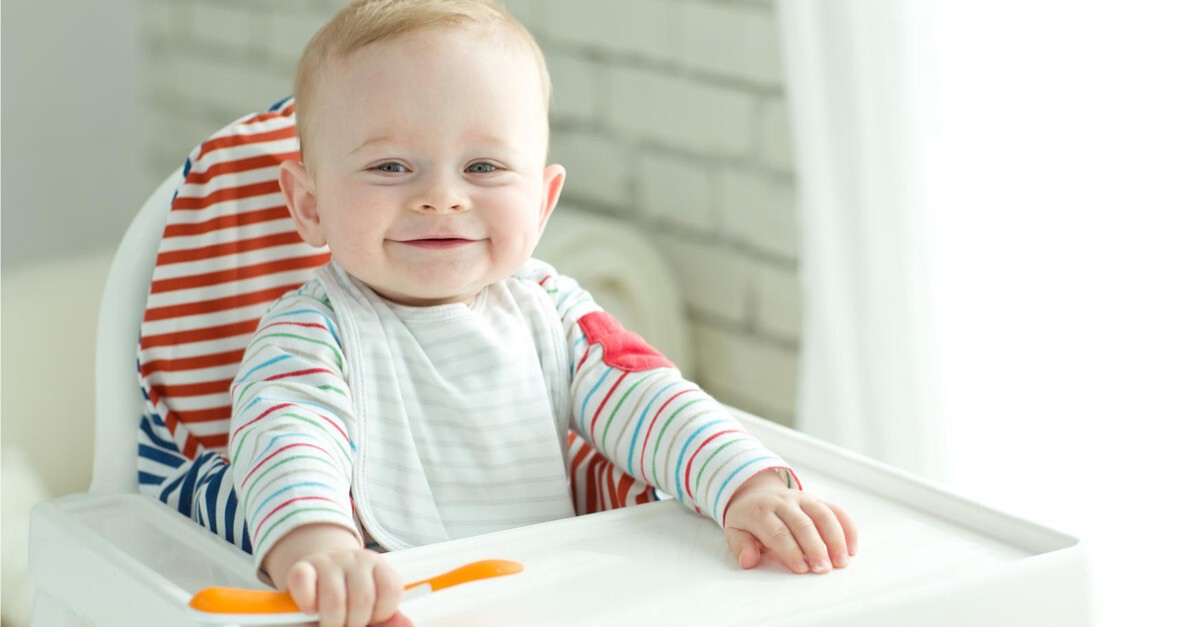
(381, 139)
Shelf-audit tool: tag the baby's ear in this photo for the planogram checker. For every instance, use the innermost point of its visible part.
(301, 197)
(552, 185)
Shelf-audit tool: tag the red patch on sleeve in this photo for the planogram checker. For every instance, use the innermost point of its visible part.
(624, 350)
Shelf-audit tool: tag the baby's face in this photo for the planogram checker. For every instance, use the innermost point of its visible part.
(429, 164)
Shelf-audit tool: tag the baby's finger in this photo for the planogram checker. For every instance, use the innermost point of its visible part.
(302, 585)
(360, 596)
(848, 527)
(805, 532)
(744, 547)
(331, 594)
(777, 536)
(830, 529)
(388, 588)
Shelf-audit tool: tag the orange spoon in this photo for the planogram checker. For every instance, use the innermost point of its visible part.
(267, 607)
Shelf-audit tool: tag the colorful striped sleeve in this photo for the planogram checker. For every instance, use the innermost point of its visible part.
(290, 436)
(633, 406)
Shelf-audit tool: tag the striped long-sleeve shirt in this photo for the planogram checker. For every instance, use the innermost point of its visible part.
(465, 428)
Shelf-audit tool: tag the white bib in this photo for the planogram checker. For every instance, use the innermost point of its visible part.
(461, 411)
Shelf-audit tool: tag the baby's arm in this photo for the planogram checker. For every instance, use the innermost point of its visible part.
(291, 451)
(635, 408)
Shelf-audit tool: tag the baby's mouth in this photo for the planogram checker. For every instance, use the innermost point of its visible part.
(437, 243)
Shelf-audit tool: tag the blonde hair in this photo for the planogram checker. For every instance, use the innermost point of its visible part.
(365, 22)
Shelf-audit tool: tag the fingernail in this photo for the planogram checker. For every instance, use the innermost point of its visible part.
(800, 567)
(820, 566)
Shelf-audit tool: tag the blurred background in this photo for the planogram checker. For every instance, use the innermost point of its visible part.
(958, 237)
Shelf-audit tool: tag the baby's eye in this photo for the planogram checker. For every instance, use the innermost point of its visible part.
(481, 168)
(391, 167)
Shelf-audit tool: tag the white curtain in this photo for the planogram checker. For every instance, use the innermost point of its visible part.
(859, 125)
(1005, 197)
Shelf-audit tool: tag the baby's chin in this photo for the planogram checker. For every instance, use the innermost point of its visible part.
(430, 297)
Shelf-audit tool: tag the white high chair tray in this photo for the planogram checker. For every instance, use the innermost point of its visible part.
(926, 557)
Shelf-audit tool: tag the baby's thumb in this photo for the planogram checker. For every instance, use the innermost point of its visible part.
(744, 546)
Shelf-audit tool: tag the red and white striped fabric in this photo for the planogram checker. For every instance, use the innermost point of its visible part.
(228, 250)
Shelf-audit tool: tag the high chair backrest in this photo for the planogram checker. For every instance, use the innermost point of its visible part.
(216, 246)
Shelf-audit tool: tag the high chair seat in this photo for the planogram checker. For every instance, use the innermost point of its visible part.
(227, 251)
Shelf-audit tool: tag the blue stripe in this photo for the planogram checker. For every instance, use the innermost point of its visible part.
(270, 446)
(563, 297)
(230, 516)
(212, 492)
(683, 452)
(332, 412)
(638, 428)
(145, 478)
(279, 105)
(148, 431)
(160, 456)
(583, 408)
(266, 500)
(733, 474)
(263, 365)
(328, 323)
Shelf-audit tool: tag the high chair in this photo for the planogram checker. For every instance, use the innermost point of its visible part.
(159, 522)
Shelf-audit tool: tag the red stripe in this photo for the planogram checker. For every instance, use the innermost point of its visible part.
(650, 429)
(184, 229)
(645, 495)
(185, 390)
(687, 474)
(284, 504)
(623, 488)
(248, 164)
(587, 350)
(191, 363)
(611, 486)
(219, 304)
(298, 373)
(199, 335)
(240, 273)
(186, 203)
(593, 482)
(276, 452)
(168, 257)
(311, 325)
(596, 414)
(239, 139)
(283, 405)
(194, 416)
(218, 440)
(260, 417)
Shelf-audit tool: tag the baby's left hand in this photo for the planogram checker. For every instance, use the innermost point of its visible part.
(806, 533)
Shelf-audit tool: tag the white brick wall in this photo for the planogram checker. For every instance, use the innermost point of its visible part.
(669, 114)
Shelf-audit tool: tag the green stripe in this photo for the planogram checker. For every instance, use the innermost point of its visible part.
(613, 414)
(336, 353)
(266, 471)
(302, 418)
(711, 457)
(662, 431)
(267, 533)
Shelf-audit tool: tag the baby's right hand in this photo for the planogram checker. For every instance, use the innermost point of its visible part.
(344, 584)
(347, 587)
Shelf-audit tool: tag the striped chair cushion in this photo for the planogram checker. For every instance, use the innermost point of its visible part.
(228, 250)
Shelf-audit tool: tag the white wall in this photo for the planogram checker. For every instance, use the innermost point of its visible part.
(73, 142)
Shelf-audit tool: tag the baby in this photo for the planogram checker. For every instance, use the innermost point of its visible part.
(421, 387)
